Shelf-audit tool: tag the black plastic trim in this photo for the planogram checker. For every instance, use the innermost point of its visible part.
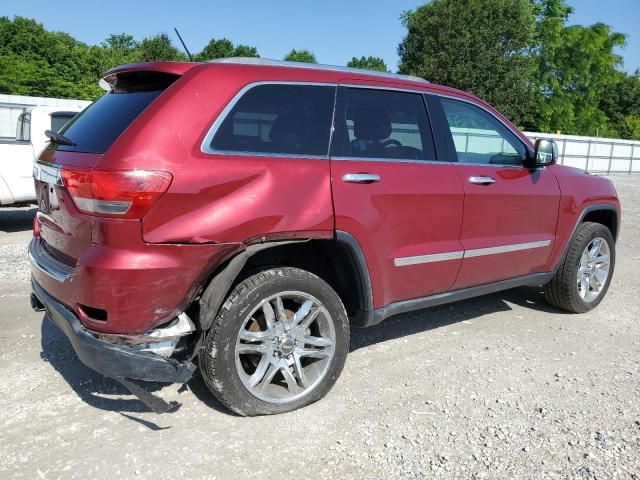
(448, 297)
(365, 292)
(574, 233)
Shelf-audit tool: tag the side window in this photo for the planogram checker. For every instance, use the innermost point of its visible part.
(59, 120)
(279, 119)
(479, 137)
(23, 133)
(383, 124)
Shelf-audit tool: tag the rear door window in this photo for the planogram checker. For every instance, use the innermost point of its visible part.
(383, 124)
(99, 125)
(285, 119)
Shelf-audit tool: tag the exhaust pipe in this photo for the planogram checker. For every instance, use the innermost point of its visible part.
(36, 304)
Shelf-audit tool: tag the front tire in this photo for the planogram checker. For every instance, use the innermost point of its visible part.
(583, 279)
(279, 343)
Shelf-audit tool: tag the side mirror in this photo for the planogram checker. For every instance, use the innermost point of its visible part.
(546, 153)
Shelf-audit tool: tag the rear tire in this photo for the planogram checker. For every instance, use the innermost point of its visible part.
(582, 280)
(278, 343)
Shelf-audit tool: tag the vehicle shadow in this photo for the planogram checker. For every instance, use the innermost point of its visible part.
(406, 324)
(17, 219)
(106, 394)
(97, 390)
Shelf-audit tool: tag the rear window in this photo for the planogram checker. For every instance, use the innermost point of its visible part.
(279, 119)
(99, 125)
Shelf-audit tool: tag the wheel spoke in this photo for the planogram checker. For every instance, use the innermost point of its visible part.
(272, 369)
(250, 336)
(595, 248)
(292, 384)
(602, 261)
(261, 369)
(310, 318)
(302, 312)
(313, 353)
(280, 315)
(317, 341)
(600, 276)
(297, 366)
(584, 287)
(247, 348)
(269, 315)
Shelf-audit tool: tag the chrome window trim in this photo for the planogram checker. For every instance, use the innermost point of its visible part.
(205, 146)
(392, 160)
(472, 253)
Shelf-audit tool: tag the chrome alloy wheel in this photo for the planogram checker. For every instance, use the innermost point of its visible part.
(285, 347)
(593, 271)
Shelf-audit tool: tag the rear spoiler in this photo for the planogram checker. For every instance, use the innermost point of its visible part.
(175, 69)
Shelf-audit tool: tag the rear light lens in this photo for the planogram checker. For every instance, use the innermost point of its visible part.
(115, 193)
(36, 227)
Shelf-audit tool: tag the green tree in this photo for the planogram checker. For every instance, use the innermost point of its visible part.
(224, 48)
(159, 48)
(576, 65)
(301, 56)
(484, 48)
(621, 104)
(368, 63)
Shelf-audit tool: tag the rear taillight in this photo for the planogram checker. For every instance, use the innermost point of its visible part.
(115, 193)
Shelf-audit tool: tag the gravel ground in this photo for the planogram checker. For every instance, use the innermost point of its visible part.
(498, 387)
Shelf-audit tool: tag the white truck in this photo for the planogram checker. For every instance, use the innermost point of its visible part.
(17, 156)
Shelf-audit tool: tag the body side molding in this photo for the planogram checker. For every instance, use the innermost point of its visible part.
(453, 296)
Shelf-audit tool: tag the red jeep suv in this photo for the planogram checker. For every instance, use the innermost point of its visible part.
(247, 212)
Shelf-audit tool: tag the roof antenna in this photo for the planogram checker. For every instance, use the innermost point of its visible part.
(184, 45)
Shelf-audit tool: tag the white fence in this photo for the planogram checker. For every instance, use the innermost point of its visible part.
(596, 155)
(11, 106)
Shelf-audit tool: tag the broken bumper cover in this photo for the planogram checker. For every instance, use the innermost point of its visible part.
(111, 360)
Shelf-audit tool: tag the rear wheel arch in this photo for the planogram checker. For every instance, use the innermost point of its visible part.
(338, 261)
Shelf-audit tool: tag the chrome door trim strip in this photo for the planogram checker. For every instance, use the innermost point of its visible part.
(479, 252)
(434, 257)
(476, 252)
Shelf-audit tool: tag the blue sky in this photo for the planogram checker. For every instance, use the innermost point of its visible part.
(335, 30)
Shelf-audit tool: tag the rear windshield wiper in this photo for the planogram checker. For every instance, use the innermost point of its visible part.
(58, 138)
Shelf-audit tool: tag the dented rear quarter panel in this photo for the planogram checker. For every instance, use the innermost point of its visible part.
(214, 197)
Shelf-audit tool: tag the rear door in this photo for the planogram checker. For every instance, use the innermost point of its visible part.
(402, 206)
(510, 212)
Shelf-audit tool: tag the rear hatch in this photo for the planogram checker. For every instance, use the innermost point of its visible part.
(72, 192)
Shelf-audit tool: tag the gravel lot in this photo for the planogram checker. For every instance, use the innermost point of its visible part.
(497, 387)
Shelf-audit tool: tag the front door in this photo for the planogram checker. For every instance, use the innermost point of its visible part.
(510, 212)
(403, 207)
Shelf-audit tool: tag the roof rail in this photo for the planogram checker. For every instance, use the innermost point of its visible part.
(313, 66)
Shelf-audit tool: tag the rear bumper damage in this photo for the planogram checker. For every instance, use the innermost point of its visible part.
(123, 357)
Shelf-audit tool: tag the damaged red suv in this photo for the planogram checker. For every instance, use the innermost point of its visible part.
(242, 215)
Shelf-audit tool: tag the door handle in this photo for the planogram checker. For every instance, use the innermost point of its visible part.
(360, 178)
(482, 180)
